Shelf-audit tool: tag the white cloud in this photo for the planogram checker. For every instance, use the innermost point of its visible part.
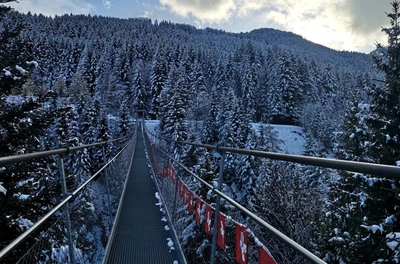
(340, 24)
(245, 7)
(208, 11)
(107, 4)
(52, 7)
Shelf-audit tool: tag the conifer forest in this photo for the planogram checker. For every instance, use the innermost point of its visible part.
(78, 79)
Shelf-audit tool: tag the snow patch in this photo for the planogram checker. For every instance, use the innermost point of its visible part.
(7, 72)
(170, 244)
(34, 63)
(21, 196)
(291, 138)
(21, 70)
(390, 219)
(164, 219)
(337, 239)
(24, 223)
(374, 228)
(153, 126)
(166, 227)
(394, 240)
(209, 194)
(2, 189)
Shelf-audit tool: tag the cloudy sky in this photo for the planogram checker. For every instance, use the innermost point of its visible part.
(353, 25)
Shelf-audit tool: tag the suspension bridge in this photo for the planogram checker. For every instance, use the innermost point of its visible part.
(138, 200)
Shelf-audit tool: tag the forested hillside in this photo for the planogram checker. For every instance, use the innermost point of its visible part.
(76, 79)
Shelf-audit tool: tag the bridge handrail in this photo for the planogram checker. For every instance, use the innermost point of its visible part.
(47, 153)
(300, 249)
(5, 251)
(383, 171)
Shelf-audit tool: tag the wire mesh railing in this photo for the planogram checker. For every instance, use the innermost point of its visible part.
(92, 209)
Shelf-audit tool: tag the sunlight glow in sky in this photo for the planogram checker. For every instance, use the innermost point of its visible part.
(353, 25)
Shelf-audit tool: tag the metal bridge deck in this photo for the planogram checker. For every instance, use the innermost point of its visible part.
(140, 236)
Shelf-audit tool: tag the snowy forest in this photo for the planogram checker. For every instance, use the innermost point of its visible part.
(75, 79)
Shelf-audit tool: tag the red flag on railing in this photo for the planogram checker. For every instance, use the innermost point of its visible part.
(241, 244)
(190, 206)
(180, 189)
(198, 210)
(265, 258)
(184, 194)
(221, 242)
(207, 224)
(165, 172)
(171, 172)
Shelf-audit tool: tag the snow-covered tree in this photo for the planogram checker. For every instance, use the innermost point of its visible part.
(362, 211)
(158, 80)
(175, 124)
(23, 123)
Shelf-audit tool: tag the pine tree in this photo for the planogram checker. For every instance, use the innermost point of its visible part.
(158, 80)
(21, 126)
(287, 206)
(249, 86)
(354, 137)
(290, 88)
(139, 93)
(385, 108)
(199, 98)
(246, 172)
(176, 127)
(363, 210)
(79, 93)
(210, 129)
(123, 126)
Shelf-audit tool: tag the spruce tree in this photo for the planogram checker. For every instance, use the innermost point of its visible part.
(175, 124)
(385, 116)
(22, 124)
(158, 80)
(363, 210)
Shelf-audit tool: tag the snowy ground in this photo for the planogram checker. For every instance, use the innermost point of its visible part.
(153, 126)
(292, 137)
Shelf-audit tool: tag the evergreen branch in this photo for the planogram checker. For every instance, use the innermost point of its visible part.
(353, 194)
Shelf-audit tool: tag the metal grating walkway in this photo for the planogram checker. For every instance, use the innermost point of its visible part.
(140, 236)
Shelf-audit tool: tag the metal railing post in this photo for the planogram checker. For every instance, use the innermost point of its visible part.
(215, 227)
(66, 210)
(108, 192)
